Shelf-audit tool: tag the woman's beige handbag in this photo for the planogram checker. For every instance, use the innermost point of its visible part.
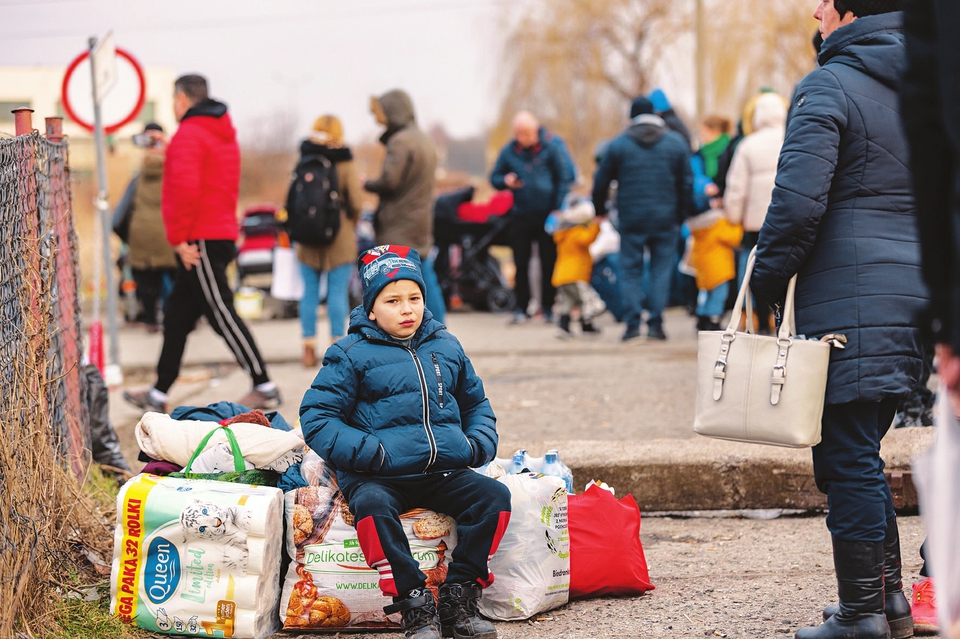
(760, 389)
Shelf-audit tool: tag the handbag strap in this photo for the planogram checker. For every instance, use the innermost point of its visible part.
(730, 334)
(238, 464)
(785, 334)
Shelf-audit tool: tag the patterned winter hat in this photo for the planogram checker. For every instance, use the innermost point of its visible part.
(384, 264)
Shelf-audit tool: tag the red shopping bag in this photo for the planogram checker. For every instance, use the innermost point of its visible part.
(606, 557)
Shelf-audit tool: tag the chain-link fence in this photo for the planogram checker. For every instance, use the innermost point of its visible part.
(44, 448)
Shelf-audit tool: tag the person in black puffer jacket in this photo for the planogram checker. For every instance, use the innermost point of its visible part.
(843, 218)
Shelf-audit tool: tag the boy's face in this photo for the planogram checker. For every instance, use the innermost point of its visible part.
(398, 309)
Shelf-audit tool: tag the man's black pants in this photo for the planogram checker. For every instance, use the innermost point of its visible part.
(480, 505)
(524, 231)
(203, 290)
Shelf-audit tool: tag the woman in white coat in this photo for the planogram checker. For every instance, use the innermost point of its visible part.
(753, 173)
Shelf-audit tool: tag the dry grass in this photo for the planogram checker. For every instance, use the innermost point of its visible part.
(55, 536)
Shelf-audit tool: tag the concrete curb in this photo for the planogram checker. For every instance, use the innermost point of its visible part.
(707, 474)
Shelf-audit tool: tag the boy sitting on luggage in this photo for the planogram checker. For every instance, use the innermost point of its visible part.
(574, 230)
(400, 413)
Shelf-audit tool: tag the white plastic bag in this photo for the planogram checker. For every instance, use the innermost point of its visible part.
(937, 475)
(287, 281)
(531, 567)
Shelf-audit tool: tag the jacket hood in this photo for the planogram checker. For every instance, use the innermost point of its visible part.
(704, 220)
(219, 122)
(334, 154)
(660, 102)
(647, 130)
(397, 108)
(872, 44)
(770, 112)
(360, 322)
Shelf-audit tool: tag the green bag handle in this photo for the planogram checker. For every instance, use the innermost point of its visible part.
(238, 463)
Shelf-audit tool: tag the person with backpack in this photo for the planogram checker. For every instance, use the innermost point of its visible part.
(323, 207)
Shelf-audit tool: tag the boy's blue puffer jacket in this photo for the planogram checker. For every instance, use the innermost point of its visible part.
(379, 408)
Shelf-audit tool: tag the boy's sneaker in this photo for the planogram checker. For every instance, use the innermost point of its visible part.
(419, 611)
(261, 399)
(143, 400)
(923, 606)
(458, 613)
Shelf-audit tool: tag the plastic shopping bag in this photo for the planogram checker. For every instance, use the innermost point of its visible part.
(606, 557)
(287, 281)
(937, 475)
(531, 567)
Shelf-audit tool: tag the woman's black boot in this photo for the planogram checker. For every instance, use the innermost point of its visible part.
(859, 567)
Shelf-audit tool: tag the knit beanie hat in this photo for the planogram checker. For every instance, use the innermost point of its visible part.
(384, 264)
(660, 102)
(327, 129)
(640, 106)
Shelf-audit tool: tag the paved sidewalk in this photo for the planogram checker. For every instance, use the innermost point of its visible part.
(618, 412)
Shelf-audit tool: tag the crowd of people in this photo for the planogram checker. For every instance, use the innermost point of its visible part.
(819, 186)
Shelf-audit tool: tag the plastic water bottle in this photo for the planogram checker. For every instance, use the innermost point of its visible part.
(554, 467)
(518, 463)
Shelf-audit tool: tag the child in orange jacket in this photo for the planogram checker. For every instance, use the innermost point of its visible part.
(712, 257)
(574, 230)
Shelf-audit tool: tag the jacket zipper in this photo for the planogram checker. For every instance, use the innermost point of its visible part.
(426, 408)
(436, 367)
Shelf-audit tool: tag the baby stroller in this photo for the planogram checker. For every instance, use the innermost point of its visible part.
(260, 233)
(464, 232)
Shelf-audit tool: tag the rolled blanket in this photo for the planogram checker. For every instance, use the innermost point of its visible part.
(162, 437)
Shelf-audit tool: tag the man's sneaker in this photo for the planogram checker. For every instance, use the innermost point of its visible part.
(261, 399)
(419, 611)
(632, 333)
(458, 613)
(923, 606)
(656, 333)
(143, 399)
(519, 317)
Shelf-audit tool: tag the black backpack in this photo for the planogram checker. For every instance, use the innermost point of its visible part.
(313, 202)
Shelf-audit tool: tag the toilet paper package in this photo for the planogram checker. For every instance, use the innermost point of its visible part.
(329, 586)
(197, 557)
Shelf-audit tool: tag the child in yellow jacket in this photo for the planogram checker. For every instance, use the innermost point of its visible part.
(712, 257)
(574, 230)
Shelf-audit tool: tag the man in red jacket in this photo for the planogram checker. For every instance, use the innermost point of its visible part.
(200, 189)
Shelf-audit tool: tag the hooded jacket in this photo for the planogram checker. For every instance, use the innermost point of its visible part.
(381, 408)
(711, 257)
(343, 249)
(753, 171)
(546, 170)
(405, 186)
(149, 248)
(201, 177)
(654, 180)
(842, 215)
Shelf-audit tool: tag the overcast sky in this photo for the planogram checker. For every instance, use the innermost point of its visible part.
(311, 56)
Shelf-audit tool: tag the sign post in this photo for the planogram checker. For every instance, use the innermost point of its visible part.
(103, 72)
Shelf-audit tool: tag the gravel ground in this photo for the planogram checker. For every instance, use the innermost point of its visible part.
(736, 578)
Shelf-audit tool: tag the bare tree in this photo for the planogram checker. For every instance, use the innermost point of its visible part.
(578, 63)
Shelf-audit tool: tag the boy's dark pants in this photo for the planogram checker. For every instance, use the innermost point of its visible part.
(480, 505)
